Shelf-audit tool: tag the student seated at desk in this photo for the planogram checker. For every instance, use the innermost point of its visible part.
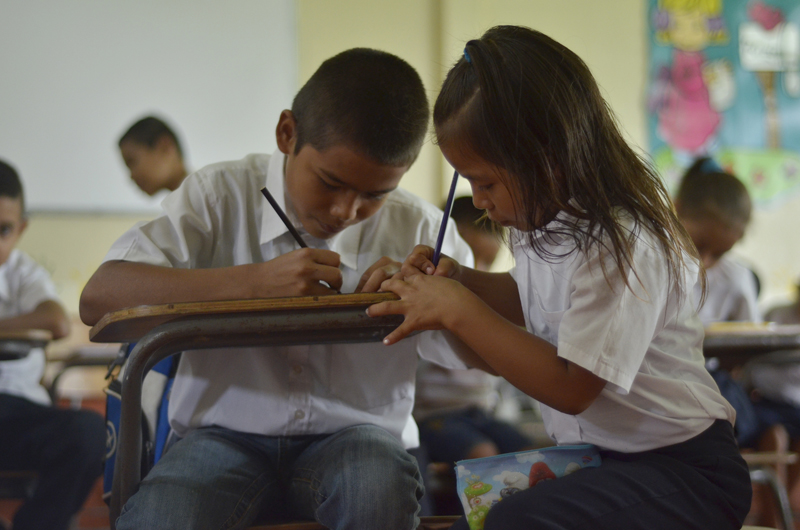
(307, 432)
(65, 447)
(715, 208)
(153, 154)
(454, 407)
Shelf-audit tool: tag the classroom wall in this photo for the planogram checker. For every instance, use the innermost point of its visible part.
(610, 36)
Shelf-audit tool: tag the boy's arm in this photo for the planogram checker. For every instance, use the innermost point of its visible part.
(48, 315)
(119, 284)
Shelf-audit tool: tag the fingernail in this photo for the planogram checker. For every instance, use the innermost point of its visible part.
(387, 341)
(367, 311)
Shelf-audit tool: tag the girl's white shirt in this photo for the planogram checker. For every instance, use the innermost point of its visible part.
(645, 341)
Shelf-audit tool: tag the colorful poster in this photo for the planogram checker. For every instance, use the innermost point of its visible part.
(725, 82)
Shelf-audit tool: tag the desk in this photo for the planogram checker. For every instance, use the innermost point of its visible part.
(735, 343)
(163, 330)
(17, 344)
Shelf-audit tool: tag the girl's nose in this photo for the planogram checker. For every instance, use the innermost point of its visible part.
(480, 200)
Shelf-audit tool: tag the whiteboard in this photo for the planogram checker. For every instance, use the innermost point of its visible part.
(75, 75)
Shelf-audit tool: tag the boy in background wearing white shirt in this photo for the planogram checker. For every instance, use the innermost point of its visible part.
(715, 208)
(153, 155)
(314, 432)
(65, 447)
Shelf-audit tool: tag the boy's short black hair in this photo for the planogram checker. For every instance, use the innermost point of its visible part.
(372, 101)
(147, 131)
(10, 184)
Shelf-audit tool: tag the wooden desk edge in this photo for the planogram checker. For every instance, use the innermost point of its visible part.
(162, 313)
(28, 335)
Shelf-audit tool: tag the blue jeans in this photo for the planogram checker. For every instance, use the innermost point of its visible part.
(360, 478)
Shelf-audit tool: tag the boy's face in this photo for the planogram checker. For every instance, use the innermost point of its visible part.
(712, 237)
(12, 225)
(151, 167)
(335, 188)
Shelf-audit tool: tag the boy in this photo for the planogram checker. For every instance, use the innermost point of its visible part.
(314, 432)
(65, 447)
(153, 154)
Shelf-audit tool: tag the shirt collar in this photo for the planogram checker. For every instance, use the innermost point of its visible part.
(346, 243)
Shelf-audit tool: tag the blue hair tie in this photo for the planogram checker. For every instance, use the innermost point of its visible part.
(467, 57)
(710, 165)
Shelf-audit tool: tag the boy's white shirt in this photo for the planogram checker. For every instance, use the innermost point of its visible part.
(646, 345)
(219, 218)
(24, 284)
(730, 294)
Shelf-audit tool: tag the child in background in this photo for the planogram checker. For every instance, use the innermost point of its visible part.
(316, 432)
(453, 408)
(153, 154)
(715, 207)
(603, 281)
(65, 447)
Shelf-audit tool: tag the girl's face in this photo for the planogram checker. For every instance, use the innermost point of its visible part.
(489, 191)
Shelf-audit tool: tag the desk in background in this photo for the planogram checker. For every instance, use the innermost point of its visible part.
(736, 343)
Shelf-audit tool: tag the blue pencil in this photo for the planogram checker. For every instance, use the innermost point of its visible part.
(437, 252)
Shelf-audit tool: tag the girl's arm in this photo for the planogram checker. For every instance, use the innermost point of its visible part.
(48, 315)
(528, 362)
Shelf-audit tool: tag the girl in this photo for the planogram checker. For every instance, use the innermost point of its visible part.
(603, 285)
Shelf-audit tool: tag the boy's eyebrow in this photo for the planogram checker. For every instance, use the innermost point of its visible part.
(346, 185)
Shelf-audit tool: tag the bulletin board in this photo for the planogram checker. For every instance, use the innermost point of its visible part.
(76, 74)
(724, 80)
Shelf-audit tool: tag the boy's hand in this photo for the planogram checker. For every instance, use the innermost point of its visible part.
(383, 269)
(299, 273)
(419, 262)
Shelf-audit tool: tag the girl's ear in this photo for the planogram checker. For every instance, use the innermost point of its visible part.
(286, 132)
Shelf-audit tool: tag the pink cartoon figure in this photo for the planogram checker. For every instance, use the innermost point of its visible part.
(691, 91)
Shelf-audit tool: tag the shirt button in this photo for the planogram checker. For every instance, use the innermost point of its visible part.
(297, 369)
(299, 415)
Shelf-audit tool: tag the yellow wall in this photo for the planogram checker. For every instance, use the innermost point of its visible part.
(430, 34)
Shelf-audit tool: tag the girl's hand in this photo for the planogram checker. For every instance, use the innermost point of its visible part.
(426, 302)
(382, 270)
(419, 262)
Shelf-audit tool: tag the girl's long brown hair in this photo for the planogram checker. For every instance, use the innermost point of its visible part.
(529, 105)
